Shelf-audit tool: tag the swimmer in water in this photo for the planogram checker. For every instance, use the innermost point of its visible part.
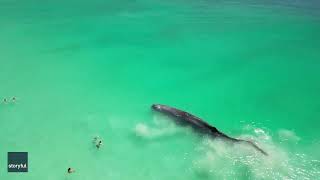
(70, 170)
(95, 139)
(99, 144)
(14, 99)
(5, 100)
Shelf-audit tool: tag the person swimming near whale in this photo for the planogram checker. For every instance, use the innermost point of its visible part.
(95, 139)
(70, 170)
(99, 144)
(13, 100)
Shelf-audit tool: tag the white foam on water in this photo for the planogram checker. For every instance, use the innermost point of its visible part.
(153, 132)
(142, 130)
(222, 160)
(218, 159)
(287, 135)
(160, 127)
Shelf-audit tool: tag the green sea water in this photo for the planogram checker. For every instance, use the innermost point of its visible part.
(81, 69)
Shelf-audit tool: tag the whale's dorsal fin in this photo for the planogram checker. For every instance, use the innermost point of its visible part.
(213, 129)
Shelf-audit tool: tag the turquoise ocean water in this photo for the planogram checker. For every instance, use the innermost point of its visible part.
(81, 69)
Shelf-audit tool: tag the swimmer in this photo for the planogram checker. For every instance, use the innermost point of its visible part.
(5, 101)
(99, 144)
(70, 170)
(95, 139)
(14, 99)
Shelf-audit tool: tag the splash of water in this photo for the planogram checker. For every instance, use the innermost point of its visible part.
(158, 129)
(287, 135)
(221, 160)
(217, 159)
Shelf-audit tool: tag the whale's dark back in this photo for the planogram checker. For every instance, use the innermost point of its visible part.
(184, 118)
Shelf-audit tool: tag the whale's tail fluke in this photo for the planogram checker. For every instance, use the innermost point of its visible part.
(254, 146)
(216, 132)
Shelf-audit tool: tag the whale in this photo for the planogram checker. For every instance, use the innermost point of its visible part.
(186, 119)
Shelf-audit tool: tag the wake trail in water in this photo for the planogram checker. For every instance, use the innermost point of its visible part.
(158, 129)
(218, 159)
